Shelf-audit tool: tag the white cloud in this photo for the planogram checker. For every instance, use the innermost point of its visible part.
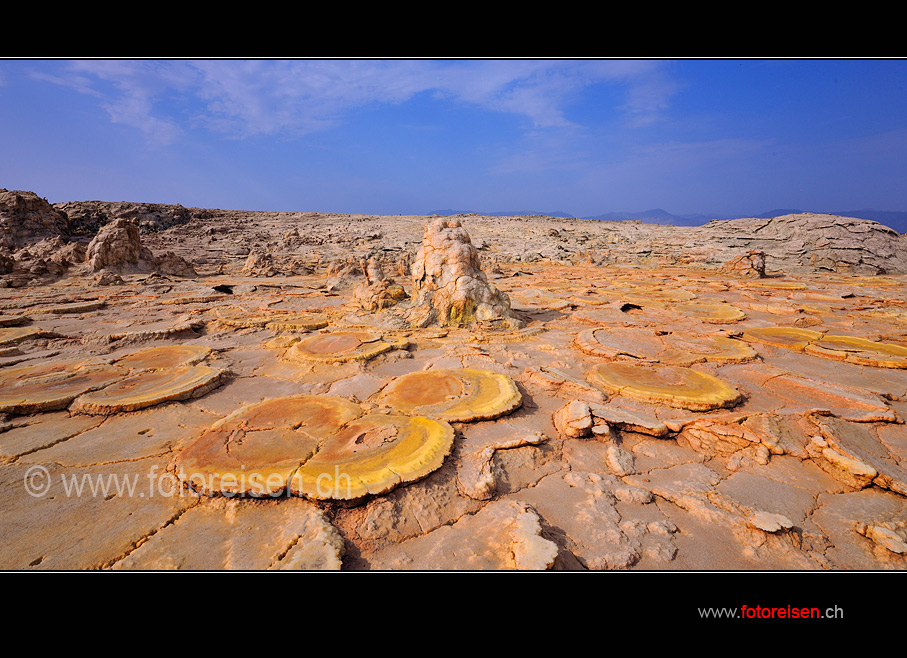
(240, 98)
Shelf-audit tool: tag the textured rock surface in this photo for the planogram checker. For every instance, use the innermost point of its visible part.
(805, 470)
(118, 246)
(505, 535)
(26, 218)
(87, 217)
(449, 286)
(810, 242)
(260, 263)
(228, 534)
(174, 265)
(750, 265)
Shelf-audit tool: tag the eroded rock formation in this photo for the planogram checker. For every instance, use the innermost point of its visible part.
(750, 265)
(449, 286)
(87, 217)
(26, 218)
(379, 292)
(118, 247)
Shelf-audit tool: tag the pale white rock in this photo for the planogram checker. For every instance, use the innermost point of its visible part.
(449, 286)
(118, 245)
(769, 522)
(885, 537)
(620, 461)
(574, 419)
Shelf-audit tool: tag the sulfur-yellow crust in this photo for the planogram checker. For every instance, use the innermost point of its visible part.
(255, 450)
(454, 395)
(372, 455)
(202, 298)
(850, 349)
(715, 349)
(146, 389)
(341, 346)
(791, 338)
(52, 386)
(861, 351)
(297, 322)
(163, 356)
(671, 385)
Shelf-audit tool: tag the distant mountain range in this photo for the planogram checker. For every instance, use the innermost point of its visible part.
(893, 219)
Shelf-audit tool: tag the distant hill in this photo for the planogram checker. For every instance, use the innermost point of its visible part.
(656, 216)
(506, 213)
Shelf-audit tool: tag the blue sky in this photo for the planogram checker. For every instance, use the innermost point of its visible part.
(584, 137)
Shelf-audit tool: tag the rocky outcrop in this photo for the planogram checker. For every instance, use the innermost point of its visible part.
(750, 265)
(449, 286)
(118, 247)
(174, 265)
(26, 218)
(87, 217)
(808, 242)
(379, 292)
(34, 244)
(265, 263)
(260, 263)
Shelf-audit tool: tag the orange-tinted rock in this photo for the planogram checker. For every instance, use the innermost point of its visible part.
(750, 265)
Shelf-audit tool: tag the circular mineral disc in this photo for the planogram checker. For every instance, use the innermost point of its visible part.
(612, 342)
(453, 395)
(164, 356)
(158, 329)
(372, 455)
(51, 386)
(297, 322)
(862, 351)
(340, 346)
(671, 385)
(146, 389)
(792, 338)
(256, 449)
(715, 349)
(318, 416)
(654, 295)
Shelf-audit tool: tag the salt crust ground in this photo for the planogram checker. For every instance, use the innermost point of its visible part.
(807, 472)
